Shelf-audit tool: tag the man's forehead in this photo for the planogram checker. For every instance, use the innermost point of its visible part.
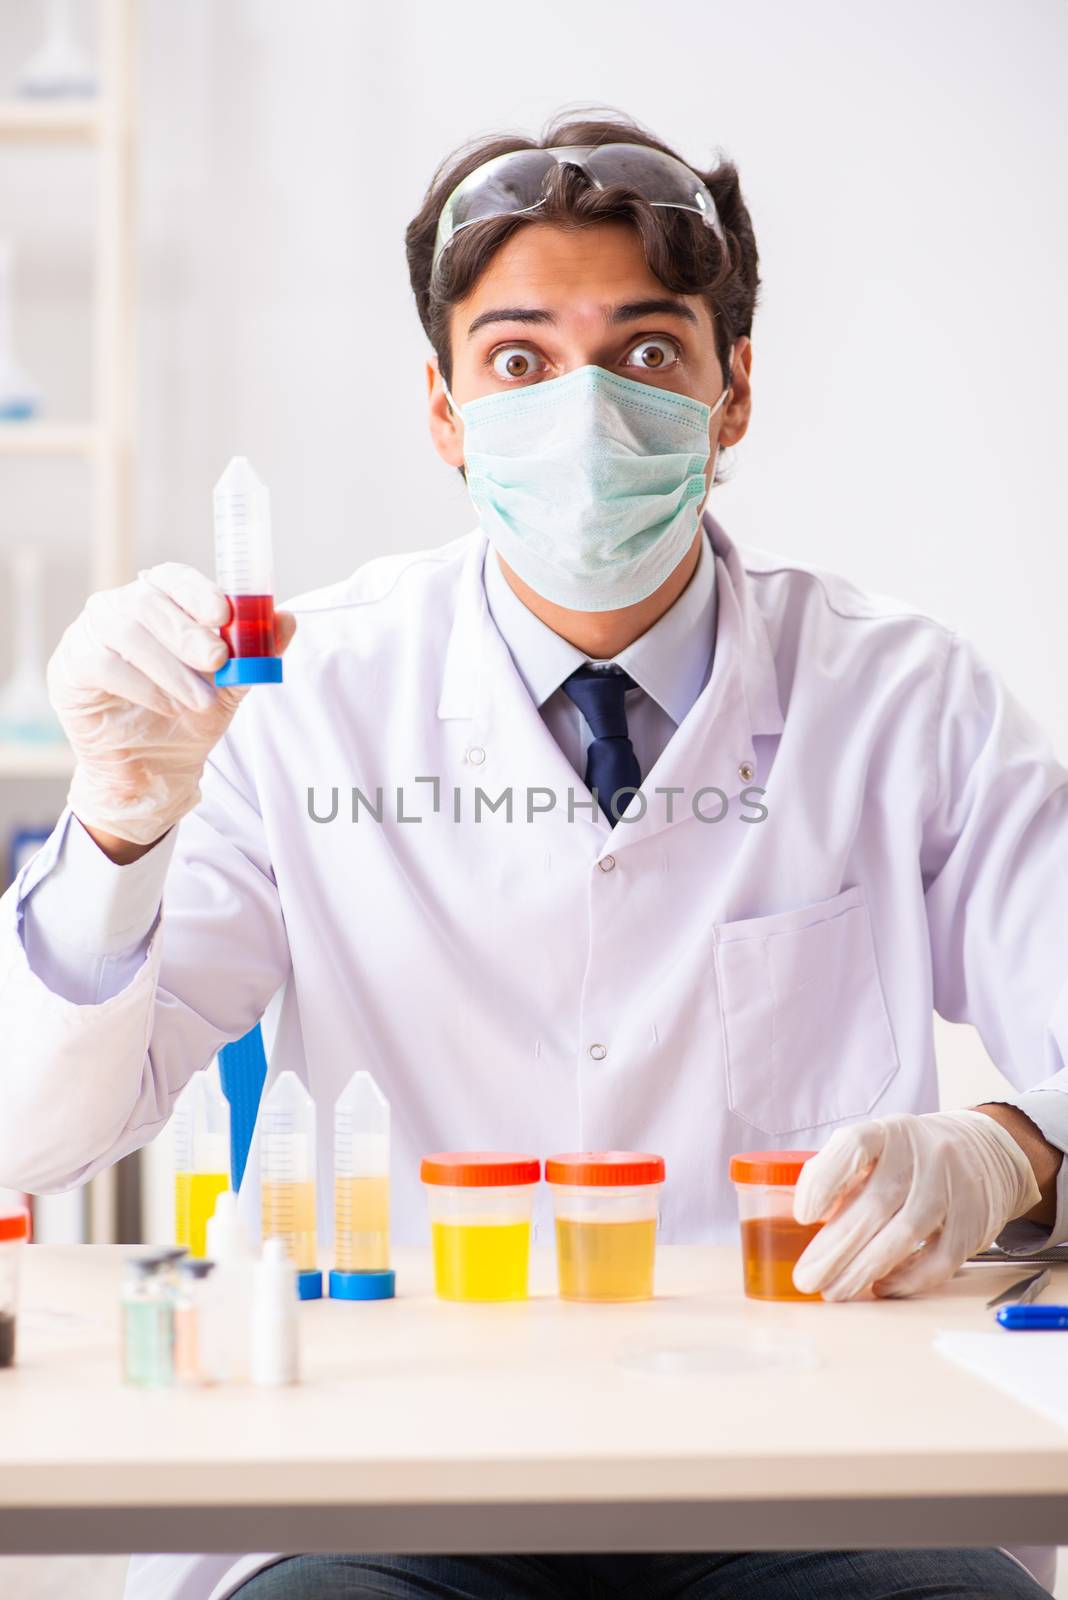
(581, 275)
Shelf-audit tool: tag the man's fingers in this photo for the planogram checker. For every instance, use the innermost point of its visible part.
(891, 1247)
(927, 1268)
(838, 1243)
(113, 629)
(118, 678)
(198, 596)
(846, 1155)
(285, 626)
(192, 643)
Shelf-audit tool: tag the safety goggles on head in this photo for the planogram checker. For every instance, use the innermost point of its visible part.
(514, 183)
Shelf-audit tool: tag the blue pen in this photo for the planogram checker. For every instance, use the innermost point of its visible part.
(1023, 1317)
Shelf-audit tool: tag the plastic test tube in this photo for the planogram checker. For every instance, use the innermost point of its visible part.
(361, 1193)
(201, 1157)
(244, 571)
(287, 1173)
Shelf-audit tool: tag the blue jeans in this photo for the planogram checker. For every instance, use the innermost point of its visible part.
(764, 1575)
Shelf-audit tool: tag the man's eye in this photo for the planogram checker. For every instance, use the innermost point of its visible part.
(653, 355)
(513, 361)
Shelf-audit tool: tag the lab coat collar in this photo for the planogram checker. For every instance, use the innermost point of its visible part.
(743, 666)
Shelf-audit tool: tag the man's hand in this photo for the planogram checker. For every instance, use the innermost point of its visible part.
(908, 1200)
(130, 683)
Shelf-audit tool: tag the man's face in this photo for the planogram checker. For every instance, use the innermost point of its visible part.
(554, 299)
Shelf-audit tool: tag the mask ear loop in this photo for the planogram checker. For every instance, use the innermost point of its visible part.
(720, 402)
(454, 408)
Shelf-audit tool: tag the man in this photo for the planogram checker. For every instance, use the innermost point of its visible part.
(686, 846)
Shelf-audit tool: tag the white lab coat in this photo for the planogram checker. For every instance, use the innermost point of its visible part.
(726, 985)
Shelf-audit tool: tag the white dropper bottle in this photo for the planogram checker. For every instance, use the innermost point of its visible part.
(231, 1290)
(274, 1328)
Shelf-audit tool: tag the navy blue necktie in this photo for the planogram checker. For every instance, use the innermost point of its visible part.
(611, 764)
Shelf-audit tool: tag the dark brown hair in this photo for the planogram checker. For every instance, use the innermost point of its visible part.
(681, 250)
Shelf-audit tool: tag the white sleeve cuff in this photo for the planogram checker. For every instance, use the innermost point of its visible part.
(86, 903)
(1048, 1110)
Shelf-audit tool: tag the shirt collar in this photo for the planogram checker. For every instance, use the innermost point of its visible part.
(671, 661)
(744, 651)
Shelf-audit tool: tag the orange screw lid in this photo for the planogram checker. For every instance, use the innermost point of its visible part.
(16, 1225)
(605, 1168)
(769, 1166)
(479, 1169)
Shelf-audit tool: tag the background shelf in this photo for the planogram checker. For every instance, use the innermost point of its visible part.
(48, 438)
(35, 760)
(32, 119)
(48, 119)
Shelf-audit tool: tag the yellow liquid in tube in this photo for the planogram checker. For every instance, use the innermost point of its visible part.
(361, 1224)
(605, 1260)
(481, 1261)
(195, 1194)
(288, 1212)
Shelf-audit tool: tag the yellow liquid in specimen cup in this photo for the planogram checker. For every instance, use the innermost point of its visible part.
(481, 1261)
(288, 1212)
(195, 1194)
(605, 1260)
(361, 1224)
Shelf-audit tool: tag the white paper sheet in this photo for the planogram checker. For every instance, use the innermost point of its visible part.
(1032, 1367)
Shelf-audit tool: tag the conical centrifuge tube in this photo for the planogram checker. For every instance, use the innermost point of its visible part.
(243, 570)
(201, 1157)
(287, 1177)
(361, 1193)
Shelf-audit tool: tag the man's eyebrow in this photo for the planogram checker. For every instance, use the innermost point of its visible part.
(634, 310)
(631, 311)
(509, 314)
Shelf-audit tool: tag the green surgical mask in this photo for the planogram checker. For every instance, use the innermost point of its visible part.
(589, 486)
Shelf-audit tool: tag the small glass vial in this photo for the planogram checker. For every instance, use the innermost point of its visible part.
(148, 1323)
(192, 1310)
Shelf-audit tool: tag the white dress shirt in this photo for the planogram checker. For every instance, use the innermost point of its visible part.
(670, 663)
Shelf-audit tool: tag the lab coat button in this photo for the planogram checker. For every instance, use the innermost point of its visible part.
(476, 755)
(606, 863)
(598, 1051)
(747, 772)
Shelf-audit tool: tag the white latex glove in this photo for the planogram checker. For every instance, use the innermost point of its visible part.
(127, 683)
(949, 1181)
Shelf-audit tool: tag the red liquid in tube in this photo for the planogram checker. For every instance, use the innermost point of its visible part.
(250, 631)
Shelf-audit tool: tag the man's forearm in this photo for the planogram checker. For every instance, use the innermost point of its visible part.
(1045, 1158)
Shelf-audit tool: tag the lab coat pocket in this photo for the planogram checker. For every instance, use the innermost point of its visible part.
(806, 1035)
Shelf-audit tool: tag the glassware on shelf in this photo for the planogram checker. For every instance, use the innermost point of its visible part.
(26, 715)
(19, 399)
(59, 68)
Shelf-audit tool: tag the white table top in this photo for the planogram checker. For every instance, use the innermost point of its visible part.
(698, 1420)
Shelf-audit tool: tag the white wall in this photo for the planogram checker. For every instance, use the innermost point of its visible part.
(905, 168)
